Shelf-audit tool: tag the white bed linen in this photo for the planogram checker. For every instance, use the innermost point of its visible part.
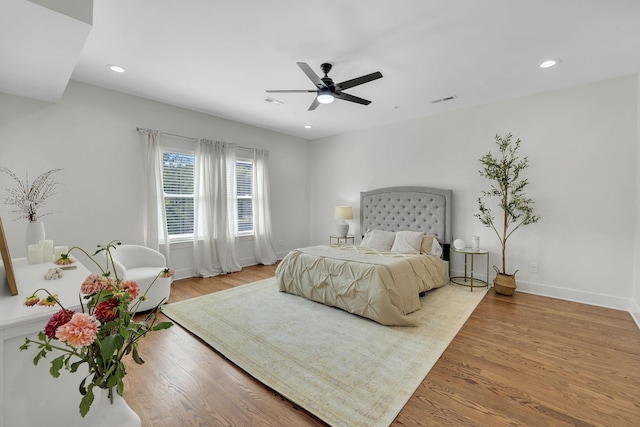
(382, 286)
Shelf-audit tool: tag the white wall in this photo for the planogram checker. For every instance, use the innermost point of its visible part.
(91, 135)
(635, 300)
(582, 142)
(582, 146)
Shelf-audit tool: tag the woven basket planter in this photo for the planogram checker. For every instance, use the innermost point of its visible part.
(505, 284)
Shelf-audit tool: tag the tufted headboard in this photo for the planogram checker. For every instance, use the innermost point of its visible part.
(408, 208)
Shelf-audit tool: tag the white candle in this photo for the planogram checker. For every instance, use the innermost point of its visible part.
(59, 250)
(47, 250)
(475, 243)
(34, 254)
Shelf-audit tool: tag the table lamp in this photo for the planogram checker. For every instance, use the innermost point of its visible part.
(342, 213)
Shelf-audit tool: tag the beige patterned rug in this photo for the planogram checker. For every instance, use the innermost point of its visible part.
(346, 370)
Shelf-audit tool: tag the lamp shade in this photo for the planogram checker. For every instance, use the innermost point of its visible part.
(343, 212)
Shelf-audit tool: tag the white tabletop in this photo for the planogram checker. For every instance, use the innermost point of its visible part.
(30, 277)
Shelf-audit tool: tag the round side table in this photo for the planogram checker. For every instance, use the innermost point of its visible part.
(469, 279)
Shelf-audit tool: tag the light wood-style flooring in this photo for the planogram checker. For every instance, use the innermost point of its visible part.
(524, 360)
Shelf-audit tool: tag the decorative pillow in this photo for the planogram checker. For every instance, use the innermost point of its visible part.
(366, 238)
(407, 242)
(381, 240)
(430, 245)
(427, 244)
(436, 249)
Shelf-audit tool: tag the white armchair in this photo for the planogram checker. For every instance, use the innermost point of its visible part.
(142, 264)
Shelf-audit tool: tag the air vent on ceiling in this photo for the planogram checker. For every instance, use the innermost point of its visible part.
(448, 98)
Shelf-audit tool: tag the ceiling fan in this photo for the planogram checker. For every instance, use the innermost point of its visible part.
(326, 90)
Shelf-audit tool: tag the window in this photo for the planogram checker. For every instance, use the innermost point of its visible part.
(177, 177)
(244, 196)
(178, 186)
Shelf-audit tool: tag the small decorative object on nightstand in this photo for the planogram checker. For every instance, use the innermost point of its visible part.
(470, 280)
(344, 240)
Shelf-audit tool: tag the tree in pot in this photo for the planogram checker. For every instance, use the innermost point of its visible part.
(517, 210)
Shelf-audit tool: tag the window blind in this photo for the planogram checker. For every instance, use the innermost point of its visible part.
(178, 184)
(244, 195)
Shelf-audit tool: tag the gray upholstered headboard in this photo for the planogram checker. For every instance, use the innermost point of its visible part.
(408, 208)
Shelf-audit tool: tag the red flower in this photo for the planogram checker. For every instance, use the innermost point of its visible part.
(106, 310)
(57, 320)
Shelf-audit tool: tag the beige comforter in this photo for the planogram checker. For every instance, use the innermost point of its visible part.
(382, 286)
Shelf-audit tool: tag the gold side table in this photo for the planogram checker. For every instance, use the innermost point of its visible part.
(470, 280)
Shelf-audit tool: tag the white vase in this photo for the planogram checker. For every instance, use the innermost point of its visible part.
(104, 413)
(35, 233)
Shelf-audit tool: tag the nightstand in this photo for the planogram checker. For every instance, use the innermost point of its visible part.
(349, 238)
(470, 280)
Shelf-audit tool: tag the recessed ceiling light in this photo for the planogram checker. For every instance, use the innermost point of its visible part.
(307, 126)
(549, 63)
(115, 68)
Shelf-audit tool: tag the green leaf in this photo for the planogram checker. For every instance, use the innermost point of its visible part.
(136, 356)
(110, 344)
(40, 355)
(86, 401)
(81, 387)
(162, 325)
(74, 366)
(56, 365)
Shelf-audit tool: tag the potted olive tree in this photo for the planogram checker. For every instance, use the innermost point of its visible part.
(517, 209)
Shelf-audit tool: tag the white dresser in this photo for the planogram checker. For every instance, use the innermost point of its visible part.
(29, 395)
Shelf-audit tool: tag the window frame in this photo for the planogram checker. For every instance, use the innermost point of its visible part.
(183, 237)
(247, 160)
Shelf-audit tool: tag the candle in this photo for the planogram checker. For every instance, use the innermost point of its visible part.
(47, 250)
(59, 250)
(34, 254)
(475, 243)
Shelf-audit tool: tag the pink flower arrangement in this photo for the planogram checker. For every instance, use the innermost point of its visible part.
(99, 335)
(80, 331)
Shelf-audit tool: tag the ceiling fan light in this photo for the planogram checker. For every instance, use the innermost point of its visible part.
(325, 97)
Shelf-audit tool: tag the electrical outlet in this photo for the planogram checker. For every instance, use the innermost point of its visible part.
(533, 267)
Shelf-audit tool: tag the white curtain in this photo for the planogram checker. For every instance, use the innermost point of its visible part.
(214, 240)
(262, 247)
(155, 224)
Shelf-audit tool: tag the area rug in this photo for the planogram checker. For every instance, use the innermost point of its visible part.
(344, 369)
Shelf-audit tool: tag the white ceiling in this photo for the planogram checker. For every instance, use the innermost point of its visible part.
(219, 57)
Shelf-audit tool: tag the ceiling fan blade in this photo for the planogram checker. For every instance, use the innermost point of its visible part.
(312, 75)
(314, 104)
(359, 80)
(346, 97)
(291, 91)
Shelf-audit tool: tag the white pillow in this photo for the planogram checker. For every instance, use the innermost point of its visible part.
(366, 238)
(407, 242)
(381, 240)
(436, 249)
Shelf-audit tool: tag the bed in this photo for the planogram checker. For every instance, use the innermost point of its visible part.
(383, 277)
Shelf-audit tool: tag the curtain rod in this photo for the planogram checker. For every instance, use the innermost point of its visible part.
(182, 136)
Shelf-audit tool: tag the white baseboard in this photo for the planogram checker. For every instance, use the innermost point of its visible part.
(591, 298)
(635, 313)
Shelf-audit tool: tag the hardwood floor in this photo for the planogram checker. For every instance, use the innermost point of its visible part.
(524, 360)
